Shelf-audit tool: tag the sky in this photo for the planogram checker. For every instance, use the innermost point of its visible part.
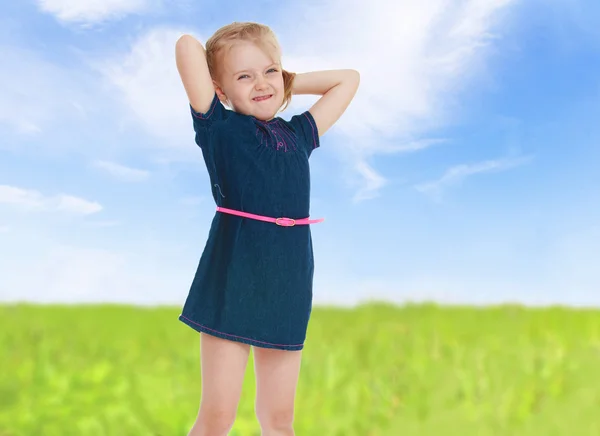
(462, 173)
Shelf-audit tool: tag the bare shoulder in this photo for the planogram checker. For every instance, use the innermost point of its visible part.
(193, 70)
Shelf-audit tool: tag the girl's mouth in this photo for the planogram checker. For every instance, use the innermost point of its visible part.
(262, 97)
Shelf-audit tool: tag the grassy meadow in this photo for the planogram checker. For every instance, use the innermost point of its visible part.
(371, 371)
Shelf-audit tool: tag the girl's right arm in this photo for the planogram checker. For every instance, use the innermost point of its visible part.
(193, 70)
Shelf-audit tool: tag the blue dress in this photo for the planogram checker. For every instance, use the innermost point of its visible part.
(254, 279)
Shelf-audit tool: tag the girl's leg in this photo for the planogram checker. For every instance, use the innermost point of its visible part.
(277, 374)
(223, 364)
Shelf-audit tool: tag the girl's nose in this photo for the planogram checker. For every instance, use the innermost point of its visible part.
(260, 83)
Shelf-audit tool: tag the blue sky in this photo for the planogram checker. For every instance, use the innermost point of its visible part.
(463, 172)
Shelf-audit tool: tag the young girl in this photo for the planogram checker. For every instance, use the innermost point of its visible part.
(253, 285)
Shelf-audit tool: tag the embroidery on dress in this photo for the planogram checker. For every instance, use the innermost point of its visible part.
(276, 135)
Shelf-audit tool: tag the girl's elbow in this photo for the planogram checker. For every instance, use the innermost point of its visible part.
(186, 38)
(354, 77)
(187, 42)
(182, 40)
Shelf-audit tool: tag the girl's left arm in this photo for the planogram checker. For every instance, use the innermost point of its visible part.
(337, 88)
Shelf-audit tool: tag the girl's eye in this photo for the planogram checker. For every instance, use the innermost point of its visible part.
(274, 70)
(243, 76)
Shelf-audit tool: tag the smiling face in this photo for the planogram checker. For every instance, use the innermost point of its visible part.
(250, 81)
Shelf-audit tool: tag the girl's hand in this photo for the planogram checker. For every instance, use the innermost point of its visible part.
(337, 88)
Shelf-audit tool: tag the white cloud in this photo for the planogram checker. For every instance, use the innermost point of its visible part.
(122, 172)
(372, 182)
(458, 173)
(36, 201)
(412, 55)
(21, 197)
(409, 146)
(103, 224)
(92, 11)
(65, 273)
(65, 106)
(68, 203)
(414, 58)
(33, 103)
(148, 83)
(72, 274)
(192, 200)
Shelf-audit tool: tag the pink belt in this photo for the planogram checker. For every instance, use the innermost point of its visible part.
(285, 222)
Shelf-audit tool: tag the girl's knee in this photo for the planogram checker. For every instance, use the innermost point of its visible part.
(213, 421)
(279, 419)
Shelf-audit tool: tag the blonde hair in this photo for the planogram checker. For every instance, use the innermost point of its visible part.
(261, 35)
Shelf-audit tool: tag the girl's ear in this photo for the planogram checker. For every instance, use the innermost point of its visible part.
(220, 93)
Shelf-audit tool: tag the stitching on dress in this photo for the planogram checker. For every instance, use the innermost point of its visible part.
(240, 337)
(313, 130)
(275, 135)
(201, 116)
(220, 190)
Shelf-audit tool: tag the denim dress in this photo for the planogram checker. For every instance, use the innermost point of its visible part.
(254, 279)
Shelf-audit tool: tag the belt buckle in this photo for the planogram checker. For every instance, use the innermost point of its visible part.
(290, 222)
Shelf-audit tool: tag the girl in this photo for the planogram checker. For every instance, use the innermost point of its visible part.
(253, 285)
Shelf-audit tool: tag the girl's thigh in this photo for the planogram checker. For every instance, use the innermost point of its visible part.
(277, 375)
(223, 365)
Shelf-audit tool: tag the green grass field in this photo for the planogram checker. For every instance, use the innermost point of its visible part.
(375, 370)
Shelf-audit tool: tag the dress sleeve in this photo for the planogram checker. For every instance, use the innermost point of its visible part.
(306, 128)
(205, 122)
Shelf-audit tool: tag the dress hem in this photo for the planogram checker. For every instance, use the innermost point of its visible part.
(249, 341)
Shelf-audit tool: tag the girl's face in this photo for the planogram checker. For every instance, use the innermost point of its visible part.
(250, 82)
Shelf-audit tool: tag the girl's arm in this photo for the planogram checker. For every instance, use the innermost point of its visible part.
(193, 70)
(337, 88)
